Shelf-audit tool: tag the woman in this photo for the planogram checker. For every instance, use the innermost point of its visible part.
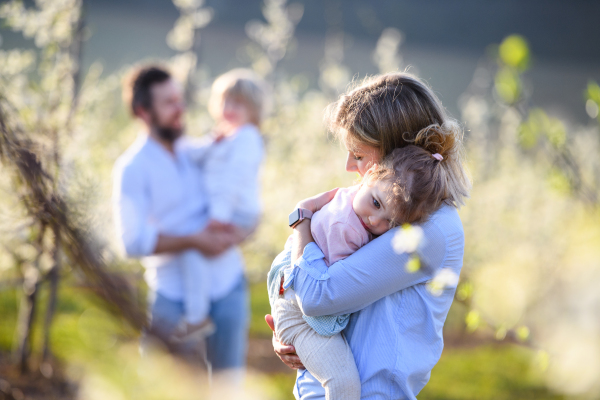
(395, 332)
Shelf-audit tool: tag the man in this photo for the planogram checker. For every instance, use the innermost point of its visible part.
(161, 212)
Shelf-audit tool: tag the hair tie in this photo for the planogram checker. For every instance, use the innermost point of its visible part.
(438, 156)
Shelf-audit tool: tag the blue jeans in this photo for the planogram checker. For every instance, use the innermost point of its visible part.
(228, 346)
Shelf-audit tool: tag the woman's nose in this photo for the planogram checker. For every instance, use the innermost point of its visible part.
(351, 164)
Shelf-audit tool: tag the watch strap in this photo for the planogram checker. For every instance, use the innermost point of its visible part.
(299, 215)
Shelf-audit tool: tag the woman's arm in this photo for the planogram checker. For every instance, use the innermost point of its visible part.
(371, 273)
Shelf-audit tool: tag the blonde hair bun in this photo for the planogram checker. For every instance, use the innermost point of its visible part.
(439, 139)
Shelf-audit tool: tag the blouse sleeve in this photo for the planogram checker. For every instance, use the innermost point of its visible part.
(371, 273)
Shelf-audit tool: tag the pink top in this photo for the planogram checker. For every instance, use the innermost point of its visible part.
(337, 229)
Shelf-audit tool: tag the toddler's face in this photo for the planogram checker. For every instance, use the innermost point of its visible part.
(373, 207)
(235, 112)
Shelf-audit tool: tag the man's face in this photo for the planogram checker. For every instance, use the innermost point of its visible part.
(166, 113)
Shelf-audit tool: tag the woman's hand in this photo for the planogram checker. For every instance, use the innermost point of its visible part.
(317, 202)
(287, 354)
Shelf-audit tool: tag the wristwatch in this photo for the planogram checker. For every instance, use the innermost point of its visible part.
(298, 215)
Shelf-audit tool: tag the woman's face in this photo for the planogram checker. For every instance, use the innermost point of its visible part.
(361, 157)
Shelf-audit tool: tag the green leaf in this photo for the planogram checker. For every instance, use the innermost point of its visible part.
(508, 85)
(514, 52)
(593, 92)
(473, 320)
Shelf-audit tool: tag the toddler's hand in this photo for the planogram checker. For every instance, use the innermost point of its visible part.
(317, 202)
(221, 131)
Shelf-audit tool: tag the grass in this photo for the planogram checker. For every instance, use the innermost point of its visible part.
(494, 372)
(83, 333)
(259, 303)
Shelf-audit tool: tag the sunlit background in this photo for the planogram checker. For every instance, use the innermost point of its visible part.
(522, 78)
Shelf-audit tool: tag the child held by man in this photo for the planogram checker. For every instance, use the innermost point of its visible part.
(231, 162)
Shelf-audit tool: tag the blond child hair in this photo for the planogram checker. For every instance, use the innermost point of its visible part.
(241, 85)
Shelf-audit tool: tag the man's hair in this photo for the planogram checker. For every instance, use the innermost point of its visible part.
(136, 90)
(242, 85)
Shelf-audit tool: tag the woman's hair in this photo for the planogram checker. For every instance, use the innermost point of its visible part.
(394, 110)
(241, 85)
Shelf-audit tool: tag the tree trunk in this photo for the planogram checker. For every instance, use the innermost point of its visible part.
(26, 318)
(28, 306)
(53, 278)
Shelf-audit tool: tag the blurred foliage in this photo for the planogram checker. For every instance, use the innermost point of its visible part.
(514, 52)
(532, 224)
(273, 38)
(592, 96)
(539, 123)
(513, 57)
(387, 52)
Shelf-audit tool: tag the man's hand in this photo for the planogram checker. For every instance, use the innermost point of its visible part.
(218, 237)
(214, 240)
(286, 353)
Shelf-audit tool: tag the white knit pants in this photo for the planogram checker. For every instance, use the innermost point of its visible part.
(196, 280)
(328, 359)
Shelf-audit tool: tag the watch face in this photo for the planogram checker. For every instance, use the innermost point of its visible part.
(294, 216)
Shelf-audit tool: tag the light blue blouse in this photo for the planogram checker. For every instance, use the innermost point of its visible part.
(282, 274)
(395, 331)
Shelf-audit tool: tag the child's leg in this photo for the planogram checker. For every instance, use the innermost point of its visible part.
(329, 359)
(196, 286)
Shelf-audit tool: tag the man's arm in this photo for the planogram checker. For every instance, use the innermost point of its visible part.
(210, 242)
(141, 238)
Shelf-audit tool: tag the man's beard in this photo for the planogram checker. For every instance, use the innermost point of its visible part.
(166, 133)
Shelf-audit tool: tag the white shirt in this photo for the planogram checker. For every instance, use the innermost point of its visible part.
(156, 192)
(231, 168)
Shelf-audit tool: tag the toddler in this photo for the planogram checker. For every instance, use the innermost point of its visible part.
(231, 163)
(393, 193)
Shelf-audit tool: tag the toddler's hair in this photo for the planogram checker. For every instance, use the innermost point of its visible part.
(242, 85)
(419, 182)
(394, 110)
